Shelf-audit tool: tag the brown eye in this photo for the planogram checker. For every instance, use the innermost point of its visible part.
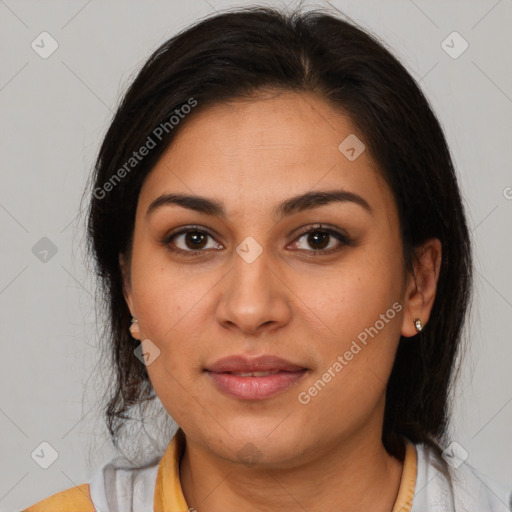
(195, 239)
(321, 240)
(318, 239)
(191, 241)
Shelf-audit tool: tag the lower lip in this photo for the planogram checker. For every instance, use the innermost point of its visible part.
(255, 388)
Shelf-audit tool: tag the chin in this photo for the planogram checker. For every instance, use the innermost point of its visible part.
(259, 442)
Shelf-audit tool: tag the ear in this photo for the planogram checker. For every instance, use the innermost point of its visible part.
(124, 265)
(420, 288)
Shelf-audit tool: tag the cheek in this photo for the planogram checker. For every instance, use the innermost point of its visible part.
(355, 294)
(362, 307)
(165, 294)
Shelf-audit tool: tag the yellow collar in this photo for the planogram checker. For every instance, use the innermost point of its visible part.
(169, 495)
(405, 495)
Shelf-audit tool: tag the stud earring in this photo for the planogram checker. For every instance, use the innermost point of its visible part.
(418, 324)
(133, 326)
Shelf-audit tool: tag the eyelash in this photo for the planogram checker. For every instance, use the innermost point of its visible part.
(322, 228)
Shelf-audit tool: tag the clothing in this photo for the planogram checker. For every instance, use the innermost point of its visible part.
(118, 487)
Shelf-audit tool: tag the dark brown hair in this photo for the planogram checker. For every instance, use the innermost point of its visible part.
(234, 54)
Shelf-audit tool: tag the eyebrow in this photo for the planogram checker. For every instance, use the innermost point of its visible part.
(290, 206)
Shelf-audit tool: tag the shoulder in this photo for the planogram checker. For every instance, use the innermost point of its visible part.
(115, 486)
(76, 498)
(458, 486)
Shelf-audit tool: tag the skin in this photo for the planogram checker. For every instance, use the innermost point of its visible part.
(252, 155)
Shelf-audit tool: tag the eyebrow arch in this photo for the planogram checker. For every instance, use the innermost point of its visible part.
(295, 204)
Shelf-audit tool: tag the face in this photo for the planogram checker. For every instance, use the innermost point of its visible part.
(319, 284)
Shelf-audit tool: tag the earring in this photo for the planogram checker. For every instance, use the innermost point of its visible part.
(418, 324)
(133, 326)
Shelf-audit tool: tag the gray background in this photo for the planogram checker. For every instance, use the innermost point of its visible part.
(54, 113)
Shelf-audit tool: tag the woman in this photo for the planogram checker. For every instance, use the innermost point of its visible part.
(278, 227)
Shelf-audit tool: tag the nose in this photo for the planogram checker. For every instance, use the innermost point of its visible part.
(254, 297)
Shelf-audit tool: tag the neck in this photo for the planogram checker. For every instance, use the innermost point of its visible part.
(349, 476)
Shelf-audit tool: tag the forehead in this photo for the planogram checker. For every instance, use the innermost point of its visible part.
(262, 149)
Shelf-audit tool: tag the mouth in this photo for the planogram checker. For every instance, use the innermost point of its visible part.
(253, 374)
(242, 364)
(254, 379)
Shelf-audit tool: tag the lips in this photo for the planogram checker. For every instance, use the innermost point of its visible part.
(254, 379)
(242, 364)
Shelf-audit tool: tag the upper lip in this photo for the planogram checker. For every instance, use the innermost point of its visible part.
(240, 363)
